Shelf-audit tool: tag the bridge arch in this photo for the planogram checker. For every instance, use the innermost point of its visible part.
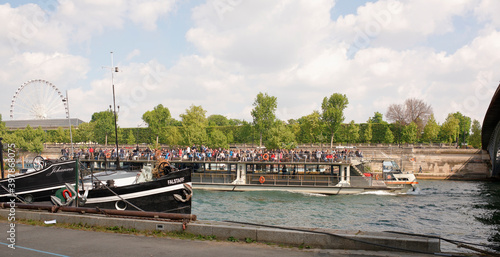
(490, 136)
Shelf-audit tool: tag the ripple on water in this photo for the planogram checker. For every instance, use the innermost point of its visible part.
(467, 211)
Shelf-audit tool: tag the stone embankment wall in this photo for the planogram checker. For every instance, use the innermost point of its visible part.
(436, 163)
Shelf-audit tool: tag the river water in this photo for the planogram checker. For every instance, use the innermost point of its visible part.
(458, 210)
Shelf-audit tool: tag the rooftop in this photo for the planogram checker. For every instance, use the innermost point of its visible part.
(44, 123)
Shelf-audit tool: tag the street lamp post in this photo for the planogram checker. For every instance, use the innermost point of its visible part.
(69, 122)
(115, 69)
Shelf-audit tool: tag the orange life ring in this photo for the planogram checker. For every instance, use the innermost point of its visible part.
(376, 176)
(412, 159)
(108, 155)
(265, 157)
(66, 194)
(389, 176)
(262, 179)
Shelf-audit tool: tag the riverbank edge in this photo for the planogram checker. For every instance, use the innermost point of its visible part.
(458, 177)
(336, 239)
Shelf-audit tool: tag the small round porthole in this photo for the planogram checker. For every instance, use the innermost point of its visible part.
(120, 205)
(28, 198)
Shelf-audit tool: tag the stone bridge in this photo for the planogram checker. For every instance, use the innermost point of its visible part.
(491, 133)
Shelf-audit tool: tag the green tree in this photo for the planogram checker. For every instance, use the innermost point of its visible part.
(352, 135)
(378, 132)
(431, 130)
(217, 120)
(367, 133)
(377, 118)
(410, 133)
(245, 133)
(341, 134)
(310, 128)
(280, 137)
(27, 140)
(294, 127)
(130, 138)
(450, 129)
(388, 137)
(41, 134)
(84, 132)
(2, 127)
(61, 136)
(397, 129)
(236, 122)
(104, 126)
(158, 120)
(475, 137)
(217, 139)
(194, 126)
(173, 135)
(333, 112)
(464, 124)
(263, 113)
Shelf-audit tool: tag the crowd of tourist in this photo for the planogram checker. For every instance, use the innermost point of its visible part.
(202, 153)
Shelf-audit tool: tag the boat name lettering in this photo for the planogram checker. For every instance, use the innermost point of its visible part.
(59, 169)
(175, 181)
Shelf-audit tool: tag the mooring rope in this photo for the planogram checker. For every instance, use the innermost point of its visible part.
(357, 240)
(126, 201)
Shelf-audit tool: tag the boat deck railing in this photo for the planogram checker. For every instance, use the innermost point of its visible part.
(213, 178)
(250, 157)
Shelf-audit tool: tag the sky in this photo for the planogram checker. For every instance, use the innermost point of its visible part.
(219, 54)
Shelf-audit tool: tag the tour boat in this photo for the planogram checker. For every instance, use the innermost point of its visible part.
(331, 178)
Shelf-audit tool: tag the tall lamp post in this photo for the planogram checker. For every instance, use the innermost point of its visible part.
(69, 122)
(113, 70)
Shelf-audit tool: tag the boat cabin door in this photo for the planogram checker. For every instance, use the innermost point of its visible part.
(241, 174)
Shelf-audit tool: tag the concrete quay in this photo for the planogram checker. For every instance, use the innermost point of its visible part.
(374, 243)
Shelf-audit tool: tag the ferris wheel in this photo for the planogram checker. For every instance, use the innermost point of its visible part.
(38, 99)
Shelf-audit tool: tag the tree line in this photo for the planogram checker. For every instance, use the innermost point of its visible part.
(411, 122)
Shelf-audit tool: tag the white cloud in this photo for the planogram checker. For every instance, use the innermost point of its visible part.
(397, 24)
(134, 53)
(84, 19)
(288, 49)
(147, 13)
(487, 11)
(28, 28)
(261, 36)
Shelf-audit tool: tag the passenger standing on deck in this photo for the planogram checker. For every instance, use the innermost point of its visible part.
(284, 171)
(318, 155)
